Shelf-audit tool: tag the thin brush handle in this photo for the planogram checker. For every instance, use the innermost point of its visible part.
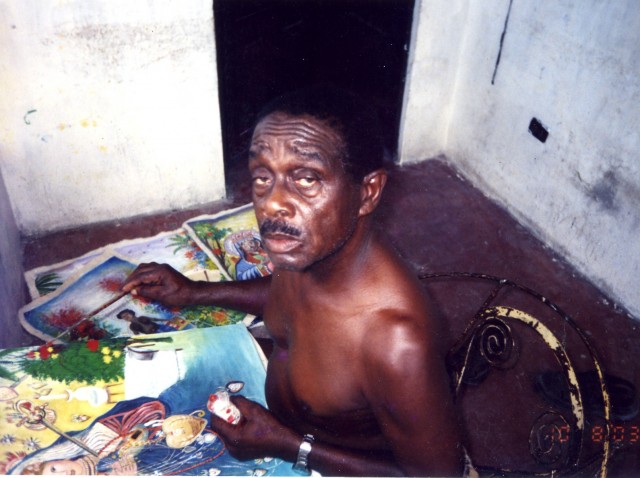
(91, 314)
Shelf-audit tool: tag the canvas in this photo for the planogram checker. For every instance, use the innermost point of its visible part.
(137, 405)
(232, 239)
(89, 305)
(175, 248)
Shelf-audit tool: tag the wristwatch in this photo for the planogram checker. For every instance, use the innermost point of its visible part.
(302, 462)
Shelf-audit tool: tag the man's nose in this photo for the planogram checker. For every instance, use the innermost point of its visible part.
(278, 201)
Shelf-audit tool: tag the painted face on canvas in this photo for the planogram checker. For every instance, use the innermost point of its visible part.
(305, 203)
(63, 467)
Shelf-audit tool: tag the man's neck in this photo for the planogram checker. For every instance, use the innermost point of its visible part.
(346, 262)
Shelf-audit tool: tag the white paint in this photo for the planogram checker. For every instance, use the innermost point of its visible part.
(126, 118)
(576, 67)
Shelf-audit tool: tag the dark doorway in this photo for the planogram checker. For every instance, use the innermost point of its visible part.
(268, 47)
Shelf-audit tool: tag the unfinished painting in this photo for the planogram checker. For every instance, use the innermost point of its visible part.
(232, 239)
(90, 306)
(175, 248)
(102, 407)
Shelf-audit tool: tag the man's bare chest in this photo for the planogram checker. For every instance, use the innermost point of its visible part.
(322, 374)
(315, 399)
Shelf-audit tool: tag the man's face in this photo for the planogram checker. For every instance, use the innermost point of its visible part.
(63, 467)
(305, 203)
(249, 246)
(128, 316)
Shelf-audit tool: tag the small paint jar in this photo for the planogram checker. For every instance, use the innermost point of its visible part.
(220, 405)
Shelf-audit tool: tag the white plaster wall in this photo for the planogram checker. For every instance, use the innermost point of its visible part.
(434, 56)
(574, 65)
(109, 109)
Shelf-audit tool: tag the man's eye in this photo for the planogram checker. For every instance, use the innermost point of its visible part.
(307, 181)
(260, 181)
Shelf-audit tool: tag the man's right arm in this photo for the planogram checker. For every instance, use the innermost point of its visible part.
(162, 283)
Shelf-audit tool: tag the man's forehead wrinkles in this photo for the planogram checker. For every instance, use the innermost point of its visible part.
(297, 128)
(294, 133)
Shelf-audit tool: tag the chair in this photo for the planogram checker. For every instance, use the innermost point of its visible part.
(508, 349)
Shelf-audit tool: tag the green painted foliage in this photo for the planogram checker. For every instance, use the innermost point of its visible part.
(87, 362)
(47, 283)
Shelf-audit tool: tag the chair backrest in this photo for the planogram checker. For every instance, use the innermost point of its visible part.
(515, 379)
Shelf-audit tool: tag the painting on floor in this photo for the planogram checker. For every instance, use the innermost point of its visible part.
(129, 405)
(175, 248)
(90, 305)
(232, 239)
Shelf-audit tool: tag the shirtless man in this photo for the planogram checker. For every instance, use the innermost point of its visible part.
(357, 361)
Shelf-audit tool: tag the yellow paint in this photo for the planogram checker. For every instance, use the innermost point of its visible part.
(576, 399)
(8, 136)
(65, 411)
(552, 341)
(62, 126)
(103, 148)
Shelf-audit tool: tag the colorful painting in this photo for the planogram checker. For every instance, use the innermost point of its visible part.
(133, 406)
(90, 306)
(175, 248)
(232, 239)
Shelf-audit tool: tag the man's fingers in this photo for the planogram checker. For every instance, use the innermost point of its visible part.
(221, 427)
(241, 402)
(144, 274)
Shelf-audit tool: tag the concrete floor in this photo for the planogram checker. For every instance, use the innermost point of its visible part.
(441, 223)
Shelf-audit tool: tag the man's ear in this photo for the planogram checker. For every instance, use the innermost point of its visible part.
(371, 191)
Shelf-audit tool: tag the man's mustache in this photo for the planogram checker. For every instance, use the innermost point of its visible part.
(269, 226)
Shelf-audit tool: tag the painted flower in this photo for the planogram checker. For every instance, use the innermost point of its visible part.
(12, 458)
(32, 443)
(107, 359)
(112, 284)
(105, 350)
(64, 318)
(93, 345)
(7, 439)
(117, 353)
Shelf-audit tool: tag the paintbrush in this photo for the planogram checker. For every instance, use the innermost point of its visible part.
(92, 314)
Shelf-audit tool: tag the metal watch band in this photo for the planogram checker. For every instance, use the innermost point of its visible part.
(302, 462)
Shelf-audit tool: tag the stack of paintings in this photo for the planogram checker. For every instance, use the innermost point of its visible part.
(121, 384)
(80, 299)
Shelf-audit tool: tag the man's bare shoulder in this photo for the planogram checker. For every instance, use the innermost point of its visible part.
(404, 321)
(400, 294)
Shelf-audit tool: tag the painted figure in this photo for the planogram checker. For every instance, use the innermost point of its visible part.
(136, 437)
(147, 325)
(252, 260)
(356, 383)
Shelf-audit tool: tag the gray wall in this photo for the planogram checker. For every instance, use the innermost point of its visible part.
(11, 282)
(576, 67)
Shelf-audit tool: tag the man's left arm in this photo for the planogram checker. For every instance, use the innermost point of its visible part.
(408, 387)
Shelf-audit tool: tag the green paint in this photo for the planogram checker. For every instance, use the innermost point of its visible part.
(26, 121)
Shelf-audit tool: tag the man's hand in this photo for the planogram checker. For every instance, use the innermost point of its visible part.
(257, 435)
(159, 282)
